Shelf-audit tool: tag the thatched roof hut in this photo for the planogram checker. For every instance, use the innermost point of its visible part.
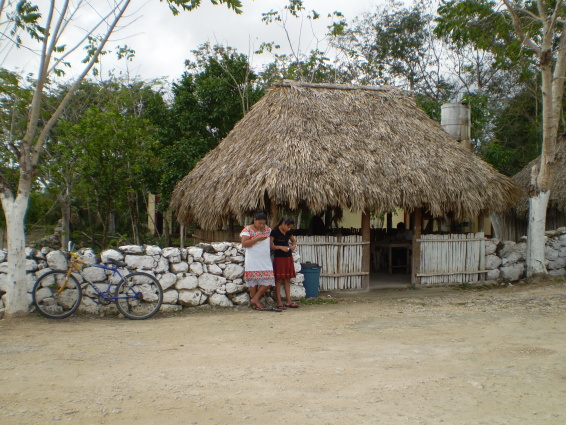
(512, 224)
(557, 200)
(352, 147)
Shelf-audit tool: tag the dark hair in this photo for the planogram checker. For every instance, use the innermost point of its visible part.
(287, 220)
(260, 216)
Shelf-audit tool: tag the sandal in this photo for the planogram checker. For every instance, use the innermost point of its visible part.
(281, 307)
(292, 305)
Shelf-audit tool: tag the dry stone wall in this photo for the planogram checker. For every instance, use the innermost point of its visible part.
(211, 275)
(203, 276)
(505, 260)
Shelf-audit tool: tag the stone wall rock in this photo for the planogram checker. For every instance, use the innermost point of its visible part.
(513, 272)
(140, 262)
(56, 260)
(492, 262)
(186, 282)
(191, 297)
(505, 260)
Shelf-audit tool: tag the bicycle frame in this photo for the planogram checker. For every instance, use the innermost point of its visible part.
(76, 265)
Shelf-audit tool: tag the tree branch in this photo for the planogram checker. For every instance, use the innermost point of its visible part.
(38, 92)
(47, 128)
(81, 41)
(526, 40)
(56, 34)
(5, 190)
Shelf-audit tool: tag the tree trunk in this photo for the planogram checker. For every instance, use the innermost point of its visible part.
(542, 175)
(65, 221)
(111, 224)
(535, 233)
(133, 207)
(15, 210)
(166, 233)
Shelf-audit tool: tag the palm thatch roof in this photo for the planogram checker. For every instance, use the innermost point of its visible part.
(352, 147)
(557, 198)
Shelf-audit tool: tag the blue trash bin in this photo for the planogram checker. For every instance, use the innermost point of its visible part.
(311, 271)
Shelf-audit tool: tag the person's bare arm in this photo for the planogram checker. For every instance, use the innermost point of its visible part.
(247, 241)
(274, 247)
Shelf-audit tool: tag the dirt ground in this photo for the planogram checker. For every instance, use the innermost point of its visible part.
(426, 356)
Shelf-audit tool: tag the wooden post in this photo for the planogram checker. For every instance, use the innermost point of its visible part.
(366, 250)
(416, 265)
(182, 236)
(273, 211)
(481, 221)
(481, 225)
(389, 222)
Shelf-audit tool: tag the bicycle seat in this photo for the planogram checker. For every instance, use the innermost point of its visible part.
(117, 263)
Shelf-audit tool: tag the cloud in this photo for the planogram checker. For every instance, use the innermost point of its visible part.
(163, 42)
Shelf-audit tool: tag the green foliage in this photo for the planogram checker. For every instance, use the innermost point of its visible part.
(517, 136)
(484, 24)
(312, 66)
(480, 115)
(395, 45)
(42, 209)
(214, 93)
(189, 5)
(26, 17)
(100, 149)
(16, 93)
(512, 115)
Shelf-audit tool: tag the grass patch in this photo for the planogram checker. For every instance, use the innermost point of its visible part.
(314, 301)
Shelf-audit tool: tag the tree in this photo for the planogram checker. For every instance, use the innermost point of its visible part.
(396, 45)
(517, 134)
(539, 27)
(216, 91)
(312, 66)
(102, 153)
(23, 24)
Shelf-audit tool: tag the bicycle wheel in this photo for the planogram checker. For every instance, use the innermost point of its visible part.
(56, 296)
(139, 296)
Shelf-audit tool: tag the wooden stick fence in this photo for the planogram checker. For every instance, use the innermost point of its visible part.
(339, 256)
(455, 258)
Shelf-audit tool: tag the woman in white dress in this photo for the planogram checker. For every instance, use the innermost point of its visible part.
(258, 266)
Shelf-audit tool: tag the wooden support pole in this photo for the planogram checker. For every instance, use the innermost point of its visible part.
(182, 236)
(366, 250)
(481, 221)
(273, 211)
(416, 265)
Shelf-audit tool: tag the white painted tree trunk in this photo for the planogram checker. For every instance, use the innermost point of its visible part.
(535, 233)
(17, 302)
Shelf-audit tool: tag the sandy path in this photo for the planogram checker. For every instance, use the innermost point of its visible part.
(412, 357)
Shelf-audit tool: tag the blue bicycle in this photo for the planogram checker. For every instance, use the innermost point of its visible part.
(57, 294)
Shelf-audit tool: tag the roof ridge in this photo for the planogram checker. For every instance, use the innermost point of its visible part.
(336, 86)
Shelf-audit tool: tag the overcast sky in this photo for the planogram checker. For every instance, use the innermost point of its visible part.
(163, 42)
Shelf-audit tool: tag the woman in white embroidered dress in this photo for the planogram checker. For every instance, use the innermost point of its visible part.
(258, 267)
